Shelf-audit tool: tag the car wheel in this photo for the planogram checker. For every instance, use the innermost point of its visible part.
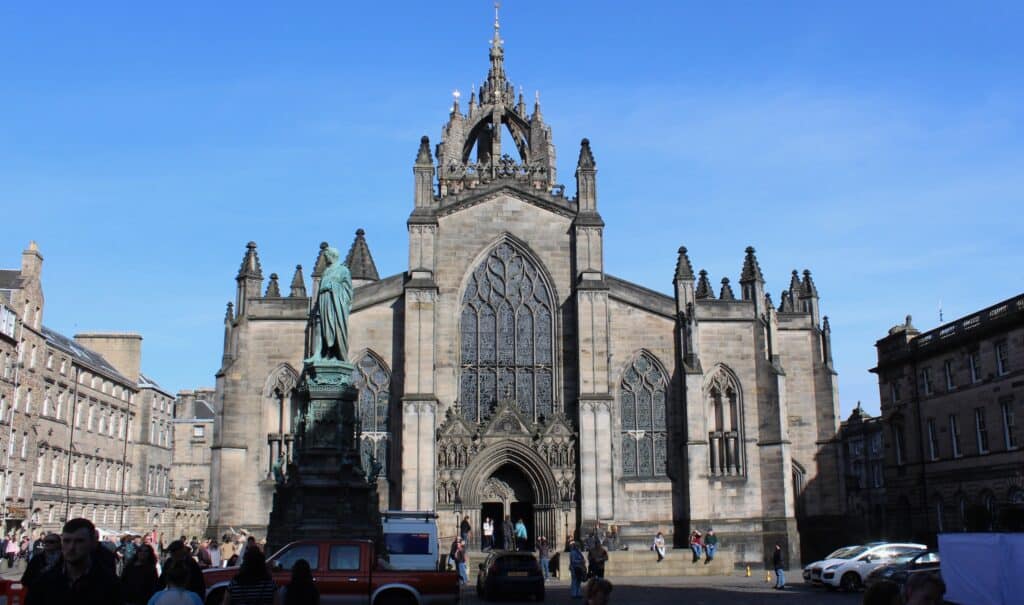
(850, 582)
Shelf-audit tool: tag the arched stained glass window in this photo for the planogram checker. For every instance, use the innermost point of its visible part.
(507, 337)
(374, 385)
(642, 416)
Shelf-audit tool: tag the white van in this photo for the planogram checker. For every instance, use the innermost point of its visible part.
(410, 538)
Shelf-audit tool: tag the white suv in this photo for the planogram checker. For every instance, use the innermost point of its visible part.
(849, 570)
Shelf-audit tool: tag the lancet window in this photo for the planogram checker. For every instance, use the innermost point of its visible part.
(374, 384)
(642, 418)
(725, 431)
(277, 418)
(507, 337)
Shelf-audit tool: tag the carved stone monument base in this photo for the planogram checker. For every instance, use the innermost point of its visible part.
(325, 493)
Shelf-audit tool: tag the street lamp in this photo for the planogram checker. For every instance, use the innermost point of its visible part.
(566, 507)
(458, 513)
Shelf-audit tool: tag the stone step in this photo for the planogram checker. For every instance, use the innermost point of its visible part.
(640, 563)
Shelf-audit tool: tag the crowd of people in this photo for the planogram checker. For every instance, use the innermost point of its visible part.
(76, 567)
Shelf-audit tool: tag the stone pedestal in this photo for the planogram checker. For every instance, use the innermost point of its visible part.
(325, 492)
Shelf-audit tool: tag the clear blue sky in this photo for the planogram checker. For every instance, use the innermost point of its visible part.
(878, 144)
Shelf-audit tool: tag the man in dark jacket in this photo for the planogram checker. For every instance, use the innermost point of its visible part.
(44, 561)
(779, 565)
(79, 579)
(180, 552)
(508, 532)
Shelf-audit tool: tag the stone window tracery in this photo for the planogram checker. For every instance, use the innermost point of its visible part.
(642, 418)
(725, 430)
(374, 384)
(507, 337)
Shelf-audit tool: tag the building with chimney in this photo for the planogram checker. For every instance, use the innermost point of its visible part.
(83, 432)
(950, 398)
(504, 372)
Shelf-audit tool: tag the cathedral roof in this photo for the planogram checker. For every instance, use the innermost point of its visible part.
(359, 260)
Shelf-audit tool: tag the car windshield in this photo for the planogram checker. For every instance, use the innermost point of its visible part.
(839, 552)
(903, 558)
(852, 553)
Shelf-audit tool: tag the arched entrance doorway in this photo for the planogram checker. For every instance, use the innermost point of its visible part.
(508, 466)
(507, 494)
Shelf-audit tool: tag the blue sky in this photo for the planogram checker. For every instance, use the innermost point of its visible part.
(878, 144)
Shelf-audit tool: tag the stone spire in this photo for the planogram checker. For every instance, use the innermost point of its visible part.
(684, 270)
(250, 263)
(751, 268)
(786, 302)
(497, 85)
(586, 179)
(704, 286)
(360, 262)
(273, 288)
(298, 284)
(318, 268)
(809, 297)
(250, 278)
(229, 314)
(726, 293)
(752, 281)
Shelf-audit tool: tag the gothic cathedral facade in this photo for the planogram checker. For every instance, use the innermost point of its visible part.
(505, 373)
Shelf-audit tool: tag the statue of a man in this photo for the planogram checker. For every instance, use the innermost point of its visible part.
(333, 303)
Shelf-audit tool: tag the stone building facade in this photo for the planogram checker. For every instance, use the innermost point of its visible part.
(85, 433)
(951, 399)
(504, 372)
(190, 468)
(862, 439)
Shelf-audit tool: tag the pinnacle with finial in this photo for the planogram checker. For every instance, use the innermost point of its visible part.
(726, 293)
(273, 288)
(684, 270)
(751, 269)
(298, 284)
(704, 286)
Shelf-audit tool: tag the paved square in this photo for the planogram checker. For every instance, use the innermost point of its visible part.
(695, 591)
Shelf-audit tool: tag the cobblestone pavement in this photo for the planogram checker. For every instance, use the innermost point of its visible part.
(723, 590)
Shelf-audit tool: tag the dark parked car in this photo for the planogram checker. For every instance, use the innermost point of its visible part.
(901, 568)
(510, 574)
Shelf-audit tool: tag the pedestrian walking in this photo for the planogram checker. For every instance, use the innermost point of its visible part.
(460, 562)
(180, 552)
(544, 554)
(577, 570)
(598, 556)
(302, 588)
(659, 546)
(696, 545)
(488, 534)
(139, 578)
(465, 529)
(11, 551)
(81, 579)
(177, 593)
(710, 546)
(779, 564)
(43, 562)
(227, 550)
(214, 549)
(252, 585)
(521, 535)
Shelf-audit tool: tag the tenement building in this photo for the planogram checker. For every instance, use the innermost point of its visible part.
(950, 400)
(190, 468)
(85, 433)
(504, 372)
(863, 461)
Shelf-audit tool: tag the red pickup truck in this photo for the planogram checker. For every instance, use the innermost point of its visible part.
(347, 571)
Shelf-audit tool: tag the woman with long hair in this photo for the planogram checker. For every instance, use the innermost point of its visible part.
(138, 580)
(252, 585)
(301, 590)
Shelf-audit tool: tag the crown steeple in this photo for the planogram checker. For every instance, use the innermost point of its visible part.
(497, 139)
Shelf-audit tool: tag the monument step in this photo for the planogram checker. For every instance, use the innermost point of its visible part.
(622, 563)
